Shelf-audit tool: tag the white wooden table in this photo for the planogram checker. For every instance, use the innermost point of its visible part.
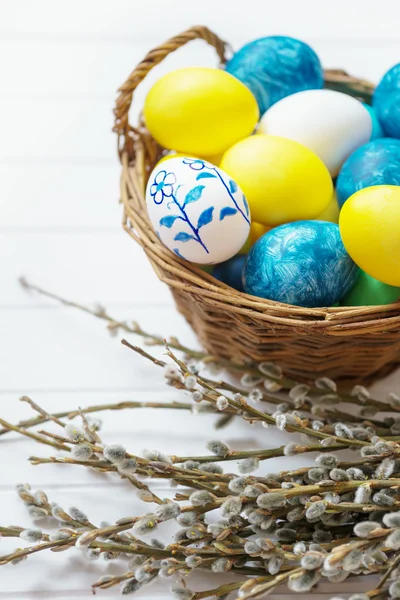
(62, 62)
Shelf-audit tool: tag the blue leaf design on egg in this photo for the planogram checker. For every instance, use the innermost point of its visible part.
(206, 217)
(226, 211)
(168, 221)
(205, 175)
(194, 194)
(246, 206)
(177, 252)
(183, 237)
(233, 186)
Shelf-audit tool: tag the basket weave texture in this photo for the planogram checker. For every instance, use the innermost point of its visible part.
(348, 344)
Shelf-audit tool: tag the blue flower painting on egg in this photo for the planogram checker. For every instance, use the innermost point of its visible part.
(302, 263)
(197, 210)
(275, 67)
(386, 102)
(375, 163)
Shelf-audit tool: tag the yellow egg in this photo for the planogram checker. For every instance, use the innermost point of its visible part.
(200, 111)
(331, 212)
(282, 180)
(370, 228)
(256, 231)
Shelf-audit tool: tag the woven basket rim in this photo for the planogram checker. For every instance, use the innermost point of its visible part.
(139, 153)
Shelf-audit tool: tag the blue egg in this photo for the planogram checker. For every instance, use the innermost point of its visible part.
(302, 263)
(231, 271)
(386, 102)
(377, 131)
(276, 66)
(375, 163)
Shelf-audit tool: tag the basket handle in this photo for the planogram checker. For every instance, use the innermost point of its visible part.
(126, 132)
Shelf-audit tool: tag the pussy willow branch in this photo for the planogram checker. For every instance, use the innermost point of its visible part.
(239, 407)
(115, 325)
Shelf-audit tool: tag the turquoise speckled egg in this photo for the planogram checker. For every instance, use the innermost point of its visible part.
(375, 163)
(276, 66)
(231, 272)
(303, 263)
(386, 102)
(377, 131)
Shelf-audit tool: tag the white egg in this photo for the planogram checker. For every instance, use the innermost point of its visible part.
(329, 123)
(197, 210)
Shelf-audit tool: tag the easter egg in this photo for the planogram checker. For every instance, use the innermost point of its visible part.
(199, 111)
(281, 179)
(197, 210)
(375, 163)
(386, 102)
(256, 231)
(302, 263)
(368, 291)
(329, 123)
(370, 228)
(331, 212)
(274, 67)
(231, 271)
(377, 131)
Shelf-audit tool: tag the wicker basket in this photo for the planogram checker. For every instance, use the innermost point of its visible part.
(348, 344)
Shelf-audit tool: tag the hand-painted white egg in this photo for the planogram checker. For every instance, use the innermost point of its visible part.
(329, 123)
(197, 210)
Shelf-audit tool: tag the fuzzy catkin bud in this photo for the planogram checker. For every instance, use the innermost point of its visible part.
(130, 586)
(290, 449)
(352, 560)
(221, 403)
(187, 518)
(145, 525)
(393, 540)
(286, 535)
(232, 506)
(248, 465)
(271, 500)
(127, 466)
(115, 453)
(299, 548)
(339, 475)
(201, 498)
(81, 452)
(356, 474)
(274, 564)
(299, 391)
(325, 383)
(359, 597)
(238, 484)
(74, 432)
(363, 494)
(181, 593)
(360, 392)
(218, 448)
(211, 468)
(329, 461)
(341, 430)
(78, 515)
(394, 589)
(385, 469)
(304, 582)
(255, 395)
(392, 519)
(383, 499)
(167, 511)
(31, 535)
(193, 561)
(365, 529)
(156, 455)
(58, 535)
(312, 560)
(315, 510)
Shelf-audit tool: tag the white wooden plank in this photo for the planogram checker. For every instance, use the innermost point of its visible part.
(59, 197)
(66, 350)
(91, 267)
(120, 18)
(93, 70)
